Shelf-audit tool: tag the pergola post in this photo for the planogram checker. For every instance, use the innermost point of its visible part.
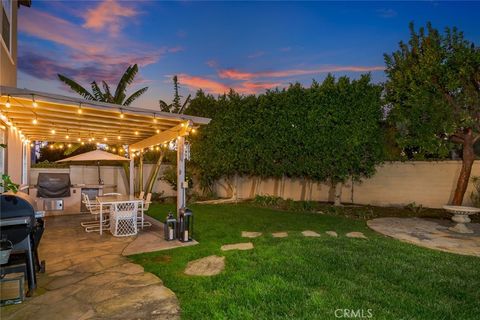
(140, 172)
(132, 175)
(181, 199)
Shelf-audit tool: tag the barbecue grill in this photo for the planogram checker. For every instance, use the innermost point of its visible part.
(53, 185)
(23, 226)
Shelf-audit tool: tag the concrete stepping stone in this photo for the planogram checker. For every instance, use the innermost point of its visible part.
(237, 246)
(332, 233)
(356, 234)
(251, 234)
(208, 266)
(280, 234)
(309, 233)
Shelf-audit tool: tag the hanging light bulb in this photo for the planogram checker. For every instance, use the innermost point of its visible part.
(7, 104)
(136, 133)
(35, 121)
(89, 139)
(69, 145)
(53, 131)
(78, 139)
(105, 139)
(67, 136)
(79, 108)
(194, 130)
(51, 146)
(93, 138)
(158, 130)
(114, 150)
(157, 148)
(61, 146)
(154, 118)
(121, 114)
(31, 145)
(83, 143)
(34, 103)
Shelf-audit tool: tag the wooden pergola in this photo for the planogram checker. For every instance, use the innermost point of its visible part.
(41, 116)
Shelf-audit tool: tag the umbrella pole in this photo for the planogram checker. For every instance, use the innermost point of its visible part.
(99, 178)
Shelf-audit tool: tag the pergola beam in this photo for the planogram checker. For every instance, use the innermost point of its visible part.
(162, 137)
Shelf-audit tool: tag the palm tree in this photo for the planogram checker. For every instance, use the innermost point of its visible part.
(97, 95)
(174, 107)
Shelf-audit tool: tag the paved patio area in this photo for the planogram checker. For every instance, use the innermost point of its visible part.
(87, 276)
(430, 233)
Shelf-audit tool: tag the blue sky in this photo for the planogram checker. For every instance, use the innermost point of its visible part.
(249, 46)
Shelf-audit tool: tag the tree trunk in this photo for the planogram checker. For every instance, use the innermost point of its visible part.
(468, 158)
(154, 174)
(338, 194)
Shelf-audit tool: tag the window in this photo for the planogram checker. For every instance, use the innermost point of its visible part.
(3, 139)
(7, 24)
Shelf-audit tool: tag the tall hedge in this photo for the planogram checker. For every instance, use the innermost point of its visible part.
(329, 132)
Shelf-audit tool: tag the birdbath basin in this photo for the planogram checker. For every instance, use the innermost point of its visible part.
(461, 217)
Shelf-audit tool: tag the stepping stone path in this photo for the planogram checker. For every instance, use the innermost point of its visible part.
(237, 246)
(309, 233)
(208, 266)
(280, 234)
(250, 234)
(355, 234)
(332, 233)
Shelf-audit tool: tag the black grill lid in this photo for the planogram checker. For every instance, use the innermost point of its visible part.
(53, 185)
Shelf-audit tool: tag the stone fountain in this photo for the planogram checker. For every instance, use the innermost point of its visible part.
(461, 217)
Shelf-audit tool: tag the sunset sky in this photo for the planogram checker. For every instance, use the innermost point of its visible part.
(249, 46)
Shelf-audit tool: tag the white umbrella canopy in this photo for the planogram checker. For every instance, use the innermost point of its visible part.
(95, 156)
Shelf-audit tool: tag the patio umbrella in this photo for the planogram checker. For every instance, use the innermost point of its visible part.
(95, 156)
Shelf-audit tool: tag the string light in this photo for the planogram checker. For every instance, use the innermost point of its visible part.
(69, 145)
(106, 148)
(154, 118)
(61, 146)
(83, 143)
(67, 136)
(158, 130)
(51, 146)
(119, 138)
(34, 103)
(136, 133)
(31, 145)
(105, 139)
(78, 139)
(114, 150)
(35, 121)
(7, 104)
(93, 138)
(79, 108)
(182, 124)
(53, 129)
(194, 130)
(157, 148)
(121, 114)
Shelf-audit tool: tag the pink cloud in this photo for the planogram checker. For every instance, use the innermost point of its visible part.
(241, 75)
(206, 84)
(108, 15)
(212, 86)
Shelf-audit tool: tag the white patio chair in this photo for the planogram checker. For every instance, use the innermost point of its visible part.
(146, 205)
(123, 219)
(94, 209)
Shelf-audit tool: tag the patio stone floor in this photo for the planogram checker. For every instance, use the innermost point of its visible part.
(87, 277)
(430, 233)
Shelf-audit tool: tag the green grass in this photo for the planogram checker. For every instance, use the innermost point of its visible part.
(309, 278)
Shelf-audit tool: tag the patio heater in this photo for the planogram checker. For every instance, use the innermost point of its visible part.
(170, 227)
(185, 225)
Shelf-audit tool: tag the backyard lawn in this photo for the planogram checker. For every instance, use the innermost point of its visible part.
(309, 278)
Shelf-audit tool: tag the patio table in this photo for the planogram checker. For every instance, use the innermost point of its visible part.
(109, 200)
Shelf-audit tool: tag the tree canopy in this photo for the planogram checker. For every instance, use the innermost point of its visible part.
(433, 91)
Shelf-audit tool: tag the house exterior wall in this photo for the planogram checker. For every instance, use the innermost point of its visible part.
(8, 60)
